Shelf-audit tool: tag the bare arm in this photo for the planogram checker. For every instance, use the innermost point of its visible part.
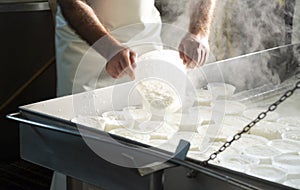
(194, 47)
(84, 21)
(202, 12)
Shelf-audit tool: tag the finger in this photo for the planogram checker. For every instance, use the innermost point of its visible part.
(196, 55)
(181, 55)
(118, 70)
(132, 65)
(126, 64)
(203, 57)
(189, 62)
(133, 57)
(192, 64)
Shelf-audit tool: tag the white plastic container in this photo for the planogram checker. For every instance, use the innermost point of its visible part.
(291, 121)
(228, 107)
(285, 146)
(237, 162)
(262, 152)
(161, 79)
(269, 130)
(267, 172)
(206, 114)
(253, 114)
(288, 161)
(293, 135)
(250, 140)
(238, 121)
(185, 121)
(221, 90)
(158, 130)
(203, 97)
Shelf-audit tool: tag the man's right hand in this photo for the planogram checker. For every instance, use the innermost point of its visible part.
(124, 62)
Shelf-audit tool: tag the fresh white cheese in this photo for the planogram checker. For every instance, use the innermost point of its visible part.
(159, 97)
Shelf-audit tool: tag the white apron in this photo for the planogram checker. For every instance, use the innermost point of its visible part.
(70, 48)
(115, 15)
(296, 23)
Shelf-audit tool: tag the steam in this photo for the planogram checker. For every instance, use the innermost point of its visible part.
(241, 27)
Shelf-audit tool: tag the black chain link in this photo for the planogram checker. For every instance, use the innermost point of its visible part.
(248, 127)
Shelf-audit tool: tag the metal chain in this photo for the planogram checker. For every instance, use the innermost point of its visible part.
(248, 127)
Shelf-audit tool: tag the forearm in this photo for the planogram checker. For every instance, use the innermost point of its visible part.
(84, 21)
(202, 13)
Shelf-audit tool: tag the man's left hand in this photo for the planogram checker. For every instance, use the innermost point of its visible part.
(193, 50)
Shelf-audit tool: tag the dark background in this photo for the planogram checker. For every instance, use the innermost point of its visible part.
(27, 44)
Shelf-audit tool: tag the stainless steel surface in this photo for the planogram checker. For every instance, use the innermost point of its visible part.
(24, 7)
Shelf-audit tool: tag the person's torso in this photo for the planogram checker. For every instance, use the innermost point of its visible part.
(118, 13)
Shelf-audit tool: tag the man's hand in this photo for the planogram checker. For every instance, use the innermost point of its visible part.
(194, 50)
(121, 64)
